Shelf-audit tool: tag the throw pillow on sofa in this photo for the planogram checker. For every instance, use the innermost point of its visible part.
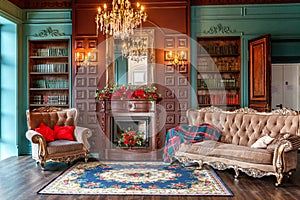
(262, 143)
(64, 132)
(46, 132)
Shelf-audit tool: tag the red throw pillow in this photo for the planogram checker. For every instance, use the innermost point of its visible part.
(46, 132)
(64, 132)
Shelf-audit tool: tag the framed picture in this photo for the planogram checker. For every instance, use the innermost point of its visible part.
(79, 44)
(92, 44)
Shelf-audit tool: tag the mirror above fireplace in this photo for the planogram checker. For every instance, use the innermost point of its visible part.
(131, 61)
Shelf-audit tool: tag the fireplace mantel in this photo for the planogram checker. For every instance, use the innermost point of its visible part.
(131, 111)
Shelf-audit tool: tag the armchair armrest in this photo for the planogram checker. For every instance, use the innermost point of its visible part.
(38, 138)
(82, 134)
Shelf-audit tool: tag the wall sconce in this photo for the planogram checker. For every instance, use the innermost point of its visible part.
(176, 58)
(81, 59)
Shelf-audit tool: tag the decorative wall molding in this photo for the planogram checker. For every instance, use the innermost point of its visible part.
(49, 32)
(219, 29)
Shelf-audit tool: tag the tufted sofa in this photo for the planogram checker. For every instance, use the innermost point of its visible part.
(59, 150)
(237, 148)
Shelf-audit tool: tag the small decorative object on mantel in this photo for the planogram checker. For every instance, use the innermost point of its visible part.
(130, 138)
(117, 92)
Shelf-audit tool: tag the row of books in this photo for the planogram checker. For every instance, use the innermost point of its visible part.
(51, 83)
(220, 66)
(54, 67)
(218, 83)
(51, 52)
(49, 99)
(219, 50)
(218, 99)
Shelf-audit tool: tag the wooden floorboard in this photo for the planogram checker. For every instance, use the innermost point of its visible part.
(21, 178)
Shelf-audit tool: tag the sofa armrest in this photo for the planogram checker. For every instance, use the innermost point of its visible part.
(288, 144)
(293, 143)
(37, 138)
(285, 145)
(82, 134)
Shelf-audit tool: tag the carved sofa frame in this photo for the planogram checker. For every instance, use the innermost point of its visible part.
(240, 129)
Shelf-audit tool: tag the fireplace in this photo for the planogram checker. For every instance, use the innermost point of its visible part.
(120, 125)
(115, 116)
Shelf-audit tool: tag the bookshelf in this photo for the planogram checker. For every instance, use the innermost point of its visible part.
(49, 73)
(218, 72)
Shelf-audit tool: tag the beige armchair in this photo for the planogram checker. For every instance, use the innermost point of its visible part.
(59, 150)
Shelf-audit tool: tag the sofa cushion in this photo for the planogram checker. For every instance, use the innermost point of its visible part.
(61, 146)
(232, 151)
(262, 142)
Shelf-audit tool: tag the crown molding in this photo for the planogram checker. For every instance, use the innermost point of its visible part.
(233, 2)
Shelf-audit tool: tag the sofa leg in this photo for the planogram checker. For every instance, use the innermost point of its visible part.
(237, 173)
(279, 177)
(200, 163)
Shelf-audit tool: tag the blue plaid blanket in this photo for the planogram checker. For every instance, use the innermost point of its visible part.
(188, 134)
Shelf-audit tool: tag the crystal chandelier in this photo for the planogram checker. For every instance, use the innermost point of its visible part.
(121, 20)
(135, 49)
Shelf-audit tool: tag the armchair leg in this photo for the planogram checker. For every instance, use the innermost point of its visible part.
(42, 165)
(86, 158)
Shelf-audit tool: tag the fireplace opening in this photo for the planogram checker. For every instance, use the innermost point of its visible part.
(120, 124)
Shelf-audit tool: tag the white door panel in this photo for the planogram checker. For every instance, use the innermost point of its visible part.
(285, 85)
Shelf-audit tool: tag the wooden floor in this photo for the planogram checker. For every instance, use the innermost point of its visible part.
(20, 179)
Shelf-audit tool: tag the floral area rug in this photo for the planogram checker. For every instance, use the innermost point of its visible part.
(136, 178)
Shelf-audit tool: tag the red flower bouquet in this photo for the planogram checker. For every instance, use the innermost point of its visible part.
(147, 92)
(131, 138)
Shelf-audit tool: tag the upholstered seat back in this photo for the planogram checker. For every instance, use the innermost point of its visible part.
(245, 128)
(66, 117)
